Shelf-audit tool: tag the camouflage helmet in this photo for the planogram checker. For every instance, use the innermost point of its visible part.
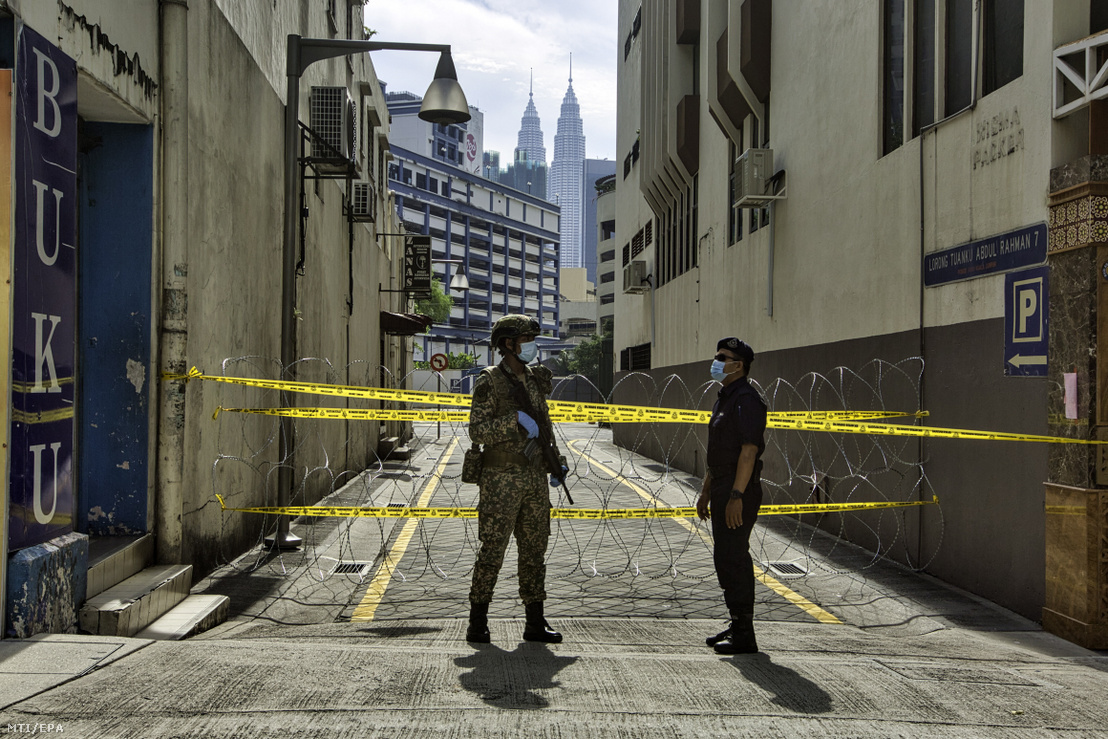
(512, 326)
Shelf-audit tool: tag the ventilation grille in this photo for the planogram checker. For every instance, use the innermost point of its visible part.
(785, 569)
(332, 114)
(350, 568)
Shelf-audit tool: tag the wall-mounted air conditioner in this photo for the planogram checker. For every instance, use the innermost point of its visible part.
(753, 169)
(332, 119)
(634, 277)
(363, 202)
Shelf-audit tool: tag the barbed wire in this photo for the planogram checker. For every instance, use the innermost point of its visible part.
(666, 561)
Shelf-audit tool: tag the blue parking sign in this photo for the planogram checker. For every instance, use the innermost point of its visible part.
(1026, 320)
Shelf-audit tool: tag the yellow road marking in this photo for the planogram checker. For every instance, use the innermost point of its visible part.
(376, 591)
(793, 597)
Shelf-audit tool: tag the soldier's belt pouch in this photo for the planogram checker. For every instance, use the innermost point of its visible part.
(472, 465)
(499, 458)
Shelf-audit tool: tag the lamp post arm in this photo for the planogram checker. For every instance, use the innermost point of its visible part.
(303, 52)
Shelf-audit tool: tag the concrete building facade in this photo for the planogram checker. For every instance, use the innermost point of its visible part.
(593, 171)
(913, 145)
(506, 240)
(167, 256)
(608, 271)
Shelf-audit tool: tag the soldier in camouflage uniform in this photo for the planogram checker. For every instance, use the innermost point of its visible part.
(514, 497)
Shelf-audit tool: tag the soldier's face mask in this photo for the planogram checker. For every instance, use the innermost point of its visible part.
(528, 351)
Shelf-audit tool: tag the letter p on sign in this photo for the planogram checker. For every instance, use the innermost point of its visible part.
(1027, 300)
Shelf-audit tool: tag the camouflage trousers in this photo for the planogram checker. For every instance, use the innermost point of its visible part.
(514, 500)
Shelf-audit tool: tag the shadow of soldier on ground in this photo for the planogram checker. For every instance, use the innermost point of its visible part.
(789, 689)
(512, 679)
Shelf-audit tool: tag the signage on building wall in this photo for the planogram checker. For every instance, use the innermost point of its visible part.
(994, 255)
(1026, 319)
(417, 266)
(44, 293)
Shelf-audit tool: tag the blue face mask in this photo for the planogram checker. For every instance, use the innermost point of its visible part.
(528, 351)
(717, 371)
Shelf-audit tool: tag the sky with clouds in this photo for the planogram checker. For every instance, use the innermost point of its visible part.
(495, 45)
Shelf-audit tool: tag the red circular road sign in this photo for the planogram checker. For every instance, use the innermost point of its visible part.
(438, 362)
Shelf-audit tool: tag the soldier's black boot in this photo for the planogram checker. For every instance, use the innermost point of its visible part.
(478, 631)
(711, 641)
(536, 628)
(741, 639)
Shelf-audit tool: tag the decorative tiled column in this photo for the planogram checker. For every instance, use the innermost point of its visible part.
(1076, 606)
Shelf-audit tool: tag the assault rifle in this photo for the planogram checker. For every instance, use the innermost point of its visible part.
(545, 441)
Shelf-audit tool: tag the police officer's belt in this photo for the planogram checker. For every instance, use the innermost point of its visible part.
(728, 471)
(500, 458)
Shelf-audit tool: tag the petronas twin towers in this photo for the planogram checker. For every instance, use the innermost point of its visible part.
(566, 184)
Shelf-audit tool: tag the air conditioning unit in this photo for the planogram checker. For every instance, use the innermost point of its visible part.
(363, 202)
(332, 115)
(753, 169)
(634, 277)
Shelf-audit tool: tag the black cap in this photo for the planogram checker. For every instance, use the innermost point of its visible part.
(738, 347)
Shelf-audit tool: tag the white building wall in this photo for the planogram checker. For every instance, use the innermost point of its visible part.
(849, 242)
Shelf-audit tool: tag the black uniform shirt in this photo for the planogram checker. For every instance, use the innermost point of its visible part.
(738, 417)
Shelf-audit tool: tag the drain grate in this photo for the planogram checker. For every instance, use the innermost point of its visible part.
(786, 569)
(350, 568)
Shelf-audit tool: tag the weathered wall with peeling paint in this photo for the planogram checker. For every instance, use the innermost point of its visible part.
(229, 292)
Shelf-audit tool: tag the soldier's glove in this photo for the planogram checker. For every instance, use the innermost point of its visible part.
(529, 425)
(556, 481)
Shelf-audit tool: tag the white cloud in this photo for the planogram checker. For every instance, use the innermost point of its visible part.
(495, 43)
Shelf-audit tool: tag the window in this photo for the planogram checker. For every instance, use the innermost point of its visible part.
(394, 172)
(445, 188)
(432, 184)
(1003, 60)
(635, 358)
(607, 299)
(1098, 18)
(959, 55)
(892, 74)
(923, 66)
(421, 181)
(606, 278)
(735, 215)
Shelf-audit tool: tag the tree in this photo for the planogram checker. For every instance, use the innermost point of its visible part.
(585, 358)
(437, 306)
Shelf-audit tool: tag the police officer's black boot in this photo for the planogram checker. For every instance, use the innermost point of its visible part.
(478, 631)
(536, 628)
(741, 639)
(711, 641)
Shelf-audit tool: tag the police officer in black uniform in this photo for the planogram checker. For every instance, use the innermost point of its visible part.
(732, 490)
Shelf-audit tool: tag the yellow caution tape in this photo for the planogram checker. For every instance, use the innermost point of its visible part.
(556, 415)
(562, 411)
(890, 429)
(560, 513)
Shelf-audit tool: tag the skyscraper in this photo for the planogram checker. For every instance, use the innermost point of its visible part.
(527, 171)
(530, 134)
(567, 175)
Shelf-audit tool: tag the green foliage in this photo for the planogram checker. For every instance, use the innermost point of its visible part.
(460, 360)
(437, 306)
(454, 360)
(584, 359)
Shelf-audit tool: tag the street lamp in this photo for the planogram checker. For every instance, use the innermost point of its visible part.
(444, 103)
